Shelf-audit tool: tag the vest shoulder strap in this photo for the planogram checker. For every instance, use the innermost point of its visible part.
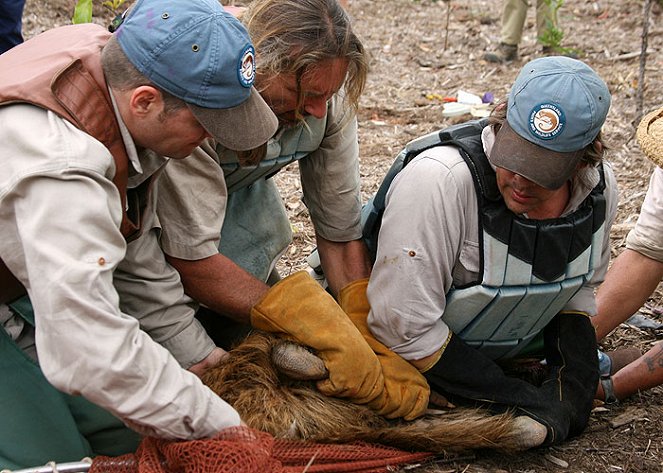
(465, 136)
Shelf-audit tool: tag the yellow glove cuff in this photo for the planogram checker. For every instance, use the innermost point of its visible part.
(432, 360)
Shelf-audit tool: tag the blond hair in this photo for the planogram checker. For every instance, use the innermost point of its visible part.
(292, 36)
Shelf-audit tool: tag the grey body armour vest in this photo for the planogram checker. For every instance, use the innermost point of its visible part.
(529, 269)
(290, 145)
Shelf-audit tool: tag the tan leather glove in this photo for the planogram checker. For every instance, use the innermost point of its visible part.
(298, 306)
(406, 391)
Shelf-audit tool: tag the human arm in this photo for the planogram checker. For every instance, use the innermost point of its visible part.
(331, 188)
(426, 239)
(638, 269)
(86, 345)
(218, 283)
(296, 306)
(151, 291)
(639, 375)
(343, 262)
(630, 281)
(191, 206)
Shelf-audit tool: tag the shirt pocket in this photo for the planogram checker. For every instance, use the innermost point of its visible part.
(468, 266)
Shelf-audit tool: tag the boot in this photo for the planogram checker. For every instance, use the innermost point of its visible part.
(503, 53)
(612, 361)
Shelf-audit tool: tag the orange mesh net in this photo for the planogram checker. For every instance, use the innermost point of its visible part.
(244, 450)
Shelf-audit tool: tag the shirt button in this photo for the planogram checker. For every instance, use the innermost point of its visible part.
(101, 261)
(412, 253)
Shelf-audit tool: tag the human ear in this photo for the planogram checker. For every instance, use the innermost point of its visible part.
(145, 99)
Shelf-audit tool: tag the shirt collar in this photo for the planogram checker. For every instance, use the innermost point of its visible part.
(129, 144)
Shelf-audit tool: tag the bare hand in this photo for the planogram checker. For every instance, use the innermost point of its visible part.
(213, 359)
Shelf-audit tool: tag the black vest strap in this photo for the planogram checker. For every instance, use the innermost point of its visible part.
(465, 136)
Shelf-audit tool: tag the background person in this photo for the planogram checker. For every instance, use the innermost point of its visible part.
(635, 274)
(11, 21)
(514, 14)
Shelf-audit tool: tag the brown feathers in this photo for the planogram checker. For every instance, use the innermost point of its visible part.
(271, 402)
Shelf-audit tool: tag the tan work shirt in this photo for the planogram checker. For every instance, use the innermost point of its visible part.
(429, 242)
(59, 234)
(193, 194)
(647, 236)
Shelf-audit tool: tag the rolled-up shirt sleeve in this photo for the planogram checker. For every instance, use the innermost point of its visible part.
(647, 236)
(192, 200)
(330, 177)
(59, 236)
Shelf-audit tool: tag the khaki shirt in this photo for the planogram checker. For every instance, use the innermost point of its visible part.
(647, 236)
(59, 234)
(429, 242)
(193, 196)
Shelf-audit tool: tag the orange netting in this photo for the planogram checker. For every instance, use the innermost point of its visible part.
(244, 450)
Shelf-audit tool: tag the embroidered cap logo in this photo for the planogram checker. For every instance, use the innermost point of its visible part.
(546, 120)
(246, 68)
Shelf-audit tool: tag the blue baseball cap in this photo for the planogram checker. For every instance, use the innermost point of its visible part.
(198, 52)
(556, 108)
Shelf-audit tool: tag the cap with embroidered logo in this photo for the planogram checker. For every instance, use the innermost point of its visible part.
(556, 108)
(201, 54)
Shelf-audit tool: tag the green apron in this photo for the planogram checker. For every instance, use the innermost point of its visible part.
(41, 424)
(256, 230)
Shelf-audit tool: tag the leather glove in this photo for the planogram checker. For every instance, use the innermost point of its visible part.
(406, 391)
(299, 307)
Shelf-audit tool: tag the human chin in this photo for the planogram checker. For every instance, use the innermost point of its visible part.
(181, 152)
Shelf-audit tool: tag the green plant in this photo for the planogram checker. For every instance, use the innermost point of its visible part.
(553, 35)
(83, 10)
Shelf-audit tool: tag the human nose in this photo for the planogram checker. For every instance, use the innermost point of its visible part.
(316, 107)
(521, 181)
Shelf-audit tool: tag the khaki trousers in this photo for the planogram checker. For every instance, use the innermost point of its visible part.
(514, 13)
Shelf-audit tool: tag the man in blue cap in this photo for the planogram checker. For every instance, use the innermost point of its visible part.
(87, 120)
(495, 233)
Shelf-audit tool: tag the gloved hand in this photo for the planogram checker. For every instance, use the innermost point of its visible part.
(298, 306)
(406, 391)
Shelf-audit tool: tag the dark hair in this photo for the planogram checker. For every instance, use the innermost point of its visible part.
(121, 74)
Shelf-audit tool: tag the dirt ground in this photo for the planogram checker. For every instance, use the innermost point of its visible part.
(410, 68)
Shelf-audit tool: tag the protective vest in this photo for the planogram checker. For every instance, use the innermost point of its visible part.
(291, 145)
(60, 70)
(529, 269)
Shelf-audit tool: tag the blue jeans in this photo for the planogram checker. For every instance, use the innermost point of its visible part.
(11, 16)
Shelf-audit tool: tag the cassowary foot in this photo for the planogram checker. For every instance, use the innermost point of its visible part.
(297, 362)
(529, 433)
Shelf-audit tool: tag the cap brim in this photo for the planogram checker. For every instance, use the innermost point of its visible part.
(547, 168)
(241, 128)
